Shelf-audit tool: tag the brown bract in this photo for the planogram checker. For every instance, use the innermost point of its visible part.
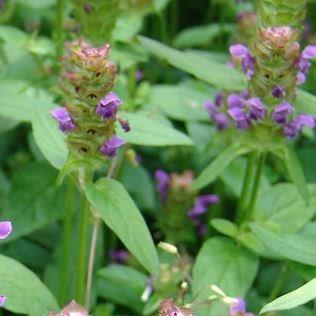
(72, 309)
(168, 308)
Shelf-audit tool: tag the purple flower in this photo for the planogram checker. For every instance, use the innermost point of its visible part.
(257, 110)
(221, 120)
(235, 101)
(303, 63)
(309, 52)
(5, 229)
(201, 204)
(238, 308)
(2, 300)
(243, 55)
(110, 147)
(278, 92)
(62, 115)
(239, 116)
(202, 229)
(210, 107)
(107, 107)
(163, 181)
(118, 256)
(292, 129)
(282, 112)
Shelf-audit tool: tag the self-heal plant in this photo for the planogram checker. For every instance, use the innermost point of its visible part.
(90, 112)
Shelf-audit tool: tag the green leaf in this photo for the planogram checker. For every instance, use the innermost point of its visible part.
(212, 72)
(18, 100)
(119, 212)
(282, 209)
(305, 102)
(225, 227)
(293, 247)
(298, 297)
(151, 132)
(13, 35)
(225, 264)
(217, 166)
(179, 102)
(34, 199)
(25, 293)
(295, 171)
(48, 137)
(122, 285)
(202, 35)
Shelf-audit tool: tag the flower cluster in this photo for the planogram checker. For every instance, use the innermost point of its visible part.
(5, 231)
(172, 186)
(169, 308)
(90, 113)
(244, 111)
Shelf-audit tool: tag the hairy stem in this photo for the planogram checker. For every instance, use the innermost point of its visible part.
(93, 245)
(255, 188)
(82, 257)
(246, 189)
(66, 242)
(94, 240)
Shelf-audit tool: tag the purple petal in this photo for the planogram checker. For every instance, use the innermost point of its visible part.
(239, 117)
(110, 147)
(118, 256)
(304, 120)
(163, 180)
(210, 107)
(309, 52)
(2, 300)
(239, 307)
(239, 51)
(107, 106)
(221, 120)
(300, 78)
(235, 101)
(208, 199)
(256, 108)
(5, 229)
(290, 130)
(282, 112)
(62, 115)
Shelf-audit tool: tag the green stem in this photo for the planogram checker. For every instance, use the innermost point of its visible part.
(246, 189)
(82, 256)
(59, 32)
(256, 186)
(279, 282)
(66, 242)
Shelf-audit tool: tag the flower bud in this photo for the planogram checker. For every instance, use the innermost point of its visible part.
(168, 247)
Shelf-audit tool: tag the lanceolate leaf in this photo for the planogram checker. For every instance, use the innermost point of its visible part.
(114, 205)
(25, 293)
(300, 296)
(151, 132)
(293, 247)
(218, 165)
(295, 171)
(212, 72)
